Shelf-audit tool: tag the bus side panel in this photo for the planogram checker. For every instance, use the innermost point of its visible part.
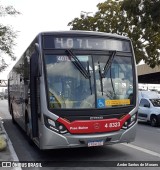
(16, 93)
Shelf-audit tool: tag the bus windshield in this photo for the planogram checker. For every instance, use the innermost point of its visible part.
(90, 84)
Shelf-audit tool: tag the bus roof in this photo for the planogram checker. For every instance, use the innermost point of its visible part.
(81, 32)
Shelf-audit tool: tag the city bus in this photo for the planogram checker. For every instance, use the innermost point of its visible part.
(75, 89)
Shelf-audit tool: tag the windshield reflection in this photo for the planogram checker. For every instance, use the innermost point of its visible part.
(69, 88)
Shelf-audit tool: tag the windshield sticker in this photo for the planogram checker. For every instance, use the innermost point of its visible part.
(101, 103)
(62, 58)
(118, 102)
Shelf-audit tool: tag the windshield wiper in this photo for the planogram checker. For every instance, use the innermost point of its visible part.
(108, 64)
(105, 69)
(78, 64)
(100, 73)
(80, 67)
(90, 85)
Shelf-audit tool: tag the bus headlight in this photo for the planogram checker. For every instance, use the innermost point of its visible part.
(130, 121)
(133, 118)
(51, 122)
(62, 129)
(54, 125)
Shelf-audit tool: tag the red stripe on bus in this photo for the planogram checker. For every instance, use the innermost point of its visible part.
(94, 126)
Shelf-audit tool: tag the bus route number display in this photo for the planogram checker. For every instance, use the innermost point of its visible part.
(91, 43)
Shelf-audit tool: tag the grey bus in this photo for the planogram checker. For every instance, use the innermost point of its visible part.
(75, 89)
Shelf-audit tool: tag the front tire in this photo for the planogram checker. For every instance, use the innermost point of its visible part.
(154, 121)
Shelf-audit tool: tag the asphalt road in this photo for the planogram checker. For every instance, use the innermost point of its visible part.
(145, 148)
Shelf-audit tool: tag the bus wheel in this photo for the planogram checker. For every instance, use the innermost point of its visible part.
(28, 130)
(11, 111)
(154, 121)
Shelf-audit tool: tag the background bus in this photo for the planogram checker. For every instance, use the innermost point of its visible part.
(75, 89)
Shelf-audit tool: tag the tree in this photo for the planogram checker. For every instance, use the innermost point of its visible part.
(7, 36)
(136, 19)
(147, 16)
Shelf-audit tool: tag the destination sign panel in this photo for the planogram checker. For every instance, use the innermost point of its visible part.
(51, 42)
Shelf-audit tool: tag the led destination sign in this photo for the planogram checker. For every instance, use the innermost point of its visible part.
(85, 43)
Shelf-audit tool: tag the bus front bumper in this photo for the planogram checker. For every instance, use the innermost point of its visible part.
(52, 140)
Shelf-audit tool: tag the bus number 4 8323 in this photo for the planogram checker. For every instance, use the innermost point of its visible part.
(112, 125)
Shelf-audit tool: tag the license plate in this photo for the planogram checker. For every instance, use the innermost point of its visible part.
(95, 143)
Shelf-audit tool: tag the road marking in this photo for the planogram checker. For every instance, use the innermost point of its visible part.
(142, 149)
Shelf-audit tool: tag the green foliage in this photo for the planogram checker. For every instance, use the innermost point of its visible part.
(7, 36)
(148, 14)
(137, 19)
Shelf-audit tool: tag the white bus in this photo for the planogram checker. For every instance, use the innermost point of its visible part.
(75, 89)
